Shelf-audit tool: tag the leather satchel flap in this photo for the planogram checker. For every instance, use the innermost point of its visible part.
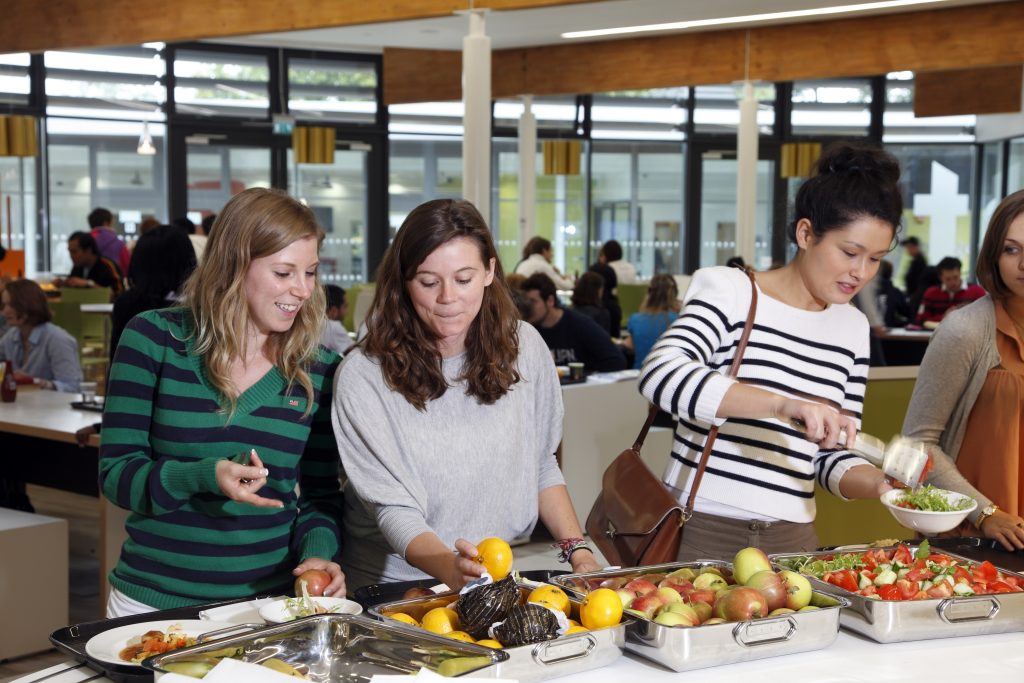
(635, 500)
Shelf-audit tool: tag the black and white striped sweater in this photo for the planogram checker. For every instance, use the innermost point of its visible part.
(761, 466)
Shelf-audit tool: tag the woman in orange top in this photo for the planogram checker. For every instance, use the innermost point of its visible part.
(968, 403)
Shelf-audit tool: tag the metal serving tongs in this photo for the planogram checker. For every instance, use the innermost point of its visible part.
(904, 460)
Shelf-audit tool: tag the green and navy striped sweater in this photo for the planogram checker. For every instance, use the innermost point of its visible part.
(163, 434)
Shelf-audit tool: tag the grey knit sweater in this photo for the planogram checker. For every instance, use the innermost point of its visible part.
(459, 468)
(951, 376)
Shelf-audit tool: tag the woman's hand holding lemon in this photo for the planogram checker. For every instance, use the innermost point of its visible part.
(492, 554)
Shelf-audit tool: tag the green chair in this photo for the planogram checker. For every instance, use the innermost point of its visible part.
(86, 295)
(630, 298)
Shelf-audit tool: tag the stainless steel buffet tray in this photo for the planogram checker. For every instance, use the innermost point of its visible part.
(894, 621)
(699, 647)
(336, 648)
(562, 656)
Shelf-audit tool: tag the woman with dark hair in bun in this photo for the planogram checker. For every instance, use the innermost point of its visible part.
(807, 361)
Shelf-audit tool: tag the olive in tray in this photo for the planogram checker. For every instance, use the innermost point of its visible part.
(907, 592)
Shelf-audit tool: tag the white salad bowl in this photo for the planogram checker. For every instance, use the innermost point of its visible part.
(925, 521)
(287, 609)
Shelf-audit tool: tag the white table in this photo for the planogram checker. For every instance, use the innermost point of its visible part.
(987, 659)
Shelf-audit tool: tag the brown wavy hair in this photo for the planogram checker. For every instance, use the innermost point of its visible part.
(661, 292)
(405, 347)
(987, 268)
(255, 223)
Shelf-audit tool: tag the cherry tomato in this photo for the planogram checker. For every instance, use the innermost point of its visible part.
(890, 592)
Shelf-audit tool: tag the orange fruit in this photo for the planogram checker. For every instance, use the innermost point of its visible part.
(460, 635)
(490, 642)
(496, 557)
(404, 618)
(576, 628)
(553, 596)
(601, 608)
(440, 620)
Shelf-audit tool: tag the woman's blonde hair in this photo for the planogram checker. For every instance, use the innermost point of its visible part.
(661, 293)
(255, 223)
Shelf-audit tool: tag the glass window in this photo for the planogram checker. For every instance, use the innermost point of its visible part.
(426, 118)
(937, 200)
(332, 90)
(18, 180)
(655, 114)
(94, 163)
(991, 183)
(337, 194)
(1015, 173)
(110, 83)
(718, 210)
(561, 216)
(15, 84)
(636, 189)
(505, 200)
(837, 107)
(422, 167)
(717, 108)
(561, 114)
(221, 84)
(900, 124)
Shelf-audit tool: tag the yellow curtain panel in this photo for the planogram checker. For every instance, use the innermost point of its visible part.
(17, 136)
(313, 144)
(562, 157)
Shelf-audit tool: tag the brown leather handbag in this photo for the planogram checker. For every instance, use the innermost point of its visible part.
(635, 521)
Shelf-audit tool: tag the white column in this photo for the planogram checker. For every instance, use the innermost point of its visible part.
(527, 172)
(476, 99)
(746, 175)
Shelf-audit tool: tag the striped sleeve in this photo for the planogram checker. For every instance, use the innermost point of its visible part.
(130, 474)
(678, 375)
(320, 502)
(831, 465)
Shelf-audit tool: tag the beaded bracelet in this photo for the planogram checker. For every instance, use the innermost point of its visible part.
(567, 546)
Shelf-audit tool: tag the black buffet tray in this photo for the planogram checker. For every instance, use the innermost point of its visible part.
(982, 549)
(375, 594)
(71, 640)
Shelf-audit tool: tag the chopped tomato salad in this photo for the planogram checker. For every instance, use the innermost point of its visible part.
(900, 574)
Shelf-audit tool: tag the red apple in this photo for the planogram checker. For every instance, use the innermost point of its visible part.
(681, 586)
(417, 592)
(702, 609)
(748, 562)
(614, 582)
(668, 595)
(741, 604)
(645, 605)
(706, 595)
(771, 586)
(798, 589)
(641, 586)
(316, 581)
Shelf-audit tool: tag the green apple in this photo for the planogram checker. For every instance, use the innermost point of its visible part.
(781, 610)
(709, 581)
(798, 589)
(748, 562)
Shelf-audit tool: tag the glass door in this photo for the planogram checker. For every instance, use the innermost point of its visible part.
(338, 193)
(716, 186)
(215, 171)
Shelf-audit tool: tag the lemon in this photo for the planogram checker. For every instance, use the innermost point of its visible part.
(404, 618)
(496, 556)
(460, 635)
(576, 628)
(600, 609)
(551, 595)
(491, 643)
(440, 620)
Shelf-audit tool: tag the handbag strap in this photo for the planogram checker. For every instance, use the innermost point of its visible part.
(733, 371)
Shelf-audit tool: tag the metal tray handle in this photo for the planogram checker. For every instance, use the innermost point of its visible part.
(753, 633)
(957, 610)
(556, 651)
(228, 630)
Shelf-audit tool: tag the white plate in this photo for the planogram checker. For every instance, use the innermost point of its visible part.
(277, 612)
(106, 646)
(238, 612)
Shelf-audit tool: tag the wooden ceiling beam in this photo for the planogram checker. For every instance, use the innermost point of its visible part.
(37, 25)
(993, 90)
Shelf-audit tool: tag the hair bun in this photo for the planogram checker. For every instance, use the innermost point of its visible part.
(844, 159)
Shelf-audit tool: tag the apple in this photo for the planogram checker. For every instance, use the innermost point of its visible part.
(771, 586)
(709, 581)
(798, 589)
(713, 620)
(684, 573)
(705, 595)
(615, 582)
(316, 581)
(645, 605)
(748, 562)
(681, 586)
(702, 609)
(808, 608)
(653, 578)
(741, 604)
(417, 592)
(781, 610)
(640, 587)
(668, 595)
(677, 614)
